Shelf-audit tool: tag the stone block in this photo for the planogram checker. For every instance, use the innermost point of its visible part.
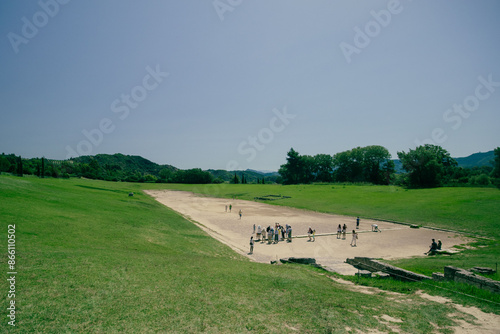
(364, 273)
(449, 272)
(300, 260)
(381, 275)
(438, 277)
(483, 270)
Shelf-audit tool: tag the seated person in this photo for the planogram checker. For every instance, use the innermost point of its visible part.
(433, 248)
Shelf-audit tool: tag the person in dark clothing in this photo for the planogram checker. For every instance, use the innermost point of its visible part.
(433, 248)
(251, 245)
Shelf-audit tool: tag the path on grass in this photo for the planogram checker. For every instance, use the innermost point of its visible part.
(395, 240)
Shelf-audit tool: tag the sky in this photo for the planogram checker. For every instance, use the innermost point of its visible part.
(234, 84)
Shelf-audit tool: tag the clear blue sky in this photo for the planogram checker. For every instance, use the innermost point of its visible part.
(247, 80)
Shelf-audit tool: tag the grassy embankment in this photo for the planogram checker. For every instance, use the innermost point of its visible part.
(92, 259)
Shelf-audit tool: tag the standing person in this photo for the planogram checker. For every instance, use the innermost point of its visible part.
(354, 238)
(314, 235)
(240, 213)
(440, 244)
(276, 235)
(270, 235)
(251, 245)
(282, 232)
(339, 231)
(259, 232)
(344, 231)
(309, 233)
(253, 228)
(289, 232)
(230, 207)
(263, 236)
(357, 223)
(226, 208)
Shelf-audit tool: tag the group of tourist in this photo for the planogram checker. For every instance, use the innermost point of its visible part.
(275, 234)
(342, 231)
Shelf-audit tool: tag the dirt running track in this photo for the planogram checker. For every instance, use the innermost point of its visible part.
(395, 241)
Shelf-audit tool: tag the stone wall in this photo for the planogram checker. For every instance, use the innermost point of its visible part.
(467, 277)
(450, 273)
(372, 265)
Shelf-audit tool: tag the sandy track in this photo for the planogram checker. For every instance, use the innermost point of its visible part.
(395, 241)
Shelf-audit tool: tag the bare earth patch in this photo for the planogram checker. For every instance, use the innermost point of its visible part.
(483, 322)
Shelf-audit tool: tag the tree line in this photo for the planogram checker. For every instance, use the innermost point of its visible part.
(425, 166)
(119, 167)
(371, 164)
(134, 169)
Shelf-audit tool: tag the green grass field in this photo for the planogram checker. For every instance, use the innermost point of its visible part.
(92, 259)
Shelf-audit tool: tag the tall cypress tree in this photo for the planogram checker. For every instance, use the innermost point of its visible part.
(43, 168)
(496, 168)
(20, 166)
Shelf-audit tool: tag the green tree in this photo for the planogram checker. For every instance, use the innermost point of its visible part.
(349, 165)
(496, 169)
(427, 166)
(165, 175)
(92, 170)
(294, 171)
(323, 168)
(42, 172)
(5, 165)
(20, 166)
(235, 180)
(376, 164)
(193, 176)
(150, 178)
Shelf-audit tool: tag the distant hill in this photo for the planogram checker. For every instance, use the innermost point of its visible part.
(264, 172)
(125, 163)
(122, 165)
(474, 160)
(477, 160)
(252, 176)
